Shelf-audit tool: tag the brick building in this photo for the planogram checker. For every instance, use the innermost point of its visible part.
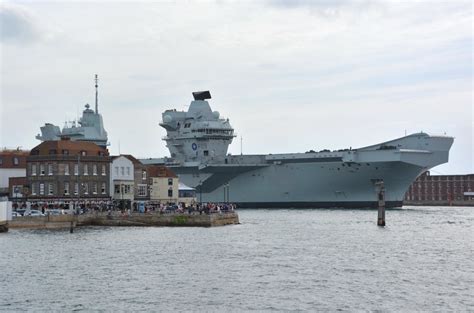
(65, 171)
(12, 164)
(441, 190)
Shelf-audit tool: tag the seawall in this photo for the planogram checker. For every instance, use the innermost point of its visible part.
(136, 219)
(440, 203)
(3, 227)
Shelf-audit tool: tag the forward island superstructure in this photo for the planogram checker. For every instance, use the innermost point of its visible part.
(198, 141)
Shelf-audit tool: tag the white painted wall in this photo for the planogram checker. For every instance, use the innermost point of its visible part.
(6, 173)
(5, 211)
(127, 174)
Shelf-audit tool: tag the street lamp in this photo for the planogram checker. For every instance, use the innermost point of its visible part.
(200, 192)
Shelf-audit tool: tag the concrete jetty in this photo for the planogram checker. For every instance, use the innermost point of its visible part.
(117, 219)
(3, 227)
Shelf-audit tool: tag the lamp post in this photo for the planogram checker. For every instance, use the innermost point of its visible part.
(78, 181)
(200, 193)
(121, 196)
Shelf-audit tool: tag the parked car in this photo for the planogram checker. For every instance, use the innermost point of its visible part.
(35, 213)
(53, 212)
(20, 212)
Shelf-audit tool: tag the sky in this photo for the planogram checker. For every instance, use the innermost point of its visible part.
(290, 75)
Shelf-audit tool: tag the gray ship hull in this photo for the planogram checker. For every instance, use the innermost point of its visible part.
(319, 180)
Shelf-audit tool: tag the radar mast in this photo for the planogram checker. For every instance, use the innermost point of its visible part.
(96, 94)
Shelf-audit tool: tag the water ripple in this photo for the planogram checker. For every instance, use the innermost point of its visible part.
(276, 260)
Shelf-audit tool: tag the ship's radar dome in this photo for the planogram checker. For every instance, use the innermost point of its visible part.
(216, 114)
(167, 119)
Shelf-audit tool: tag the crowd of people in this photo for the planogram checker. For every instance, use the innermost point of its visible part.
(193, 208)
(114, 208)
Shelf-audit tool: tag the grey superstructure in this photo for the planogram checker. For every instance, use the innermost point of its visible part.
(90, 126)
(198, 140)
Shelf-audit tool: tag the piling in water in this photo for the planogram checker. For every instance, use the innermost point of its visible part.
(381, 205)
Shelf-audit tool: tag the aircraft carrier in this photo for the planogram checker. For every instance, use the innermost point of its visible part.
(198, 141)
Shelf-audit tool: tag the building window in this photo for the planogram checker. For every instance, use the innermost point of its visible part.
(206, 152)
(83, 153)
(66, 169)
(76, 169)
(127, 189)
(122, 170)
(170, 192)
(116, 171)
(50, 189)
(170, 181)
(66, 188)
(103, 170)
(33, 169)
(116, 189)
(128, 170)
(142, 190)
(76, 188)
(86, 169)
(94, 188)
(65, 152)
(41, 188)
(103, 188)
(1, 161)
(85, 187)
(144, 175)
(15, 161)
(33, 188)
(50, 169)
(41, 169)
(94, 169)
(52, 152)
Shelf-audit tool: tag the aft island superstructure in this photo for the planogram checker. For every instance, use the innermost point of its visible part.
(90, 126)
(198, 141)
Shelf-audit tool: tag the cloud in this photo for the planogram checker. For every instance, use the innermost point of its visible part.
(17, 25)
(331, 74)
(324, 7)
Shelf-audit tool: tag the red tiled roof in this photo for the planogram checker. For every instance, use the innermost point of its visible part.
(73, 148)
(7, 158)
(159, 171)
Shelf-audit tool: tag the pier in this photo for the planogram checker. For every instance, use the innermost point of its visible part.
(154, 219)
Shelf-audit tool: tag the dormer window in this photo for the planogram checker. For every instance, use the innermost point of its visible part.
(187, 125)
(83, 153)
(15, 161)
(65, 152)
(52, 152)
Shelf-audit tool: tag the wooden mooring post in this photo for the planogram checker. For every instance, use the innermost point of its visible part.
(381, 203)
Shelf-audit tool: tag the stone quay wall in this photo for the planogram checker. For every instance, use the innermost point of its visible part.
(136, 219)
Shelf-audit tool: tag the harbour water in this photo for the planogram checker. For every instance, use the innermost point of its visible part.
(282, 260)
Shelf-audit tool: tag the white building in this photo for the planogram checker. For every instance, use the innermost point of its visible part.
(122, 185)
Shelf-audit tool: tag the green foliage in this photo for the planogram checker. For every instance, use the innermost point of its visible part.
(180, 220)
